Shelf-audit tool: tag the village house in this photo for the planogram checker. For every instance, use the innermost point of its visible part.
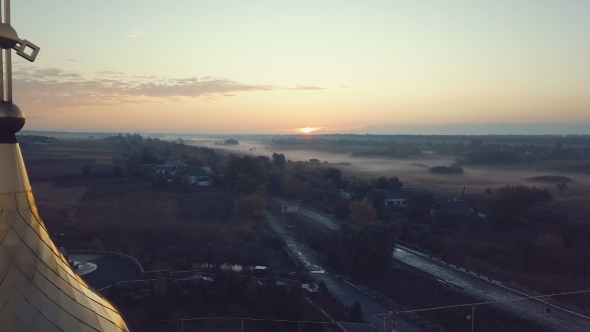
(348, 194)
(456, 206)
(395, 199)
(171, 167)
(200, 178)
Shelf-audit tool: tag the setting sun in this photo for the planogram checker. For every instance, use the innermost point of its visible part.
(307, 130)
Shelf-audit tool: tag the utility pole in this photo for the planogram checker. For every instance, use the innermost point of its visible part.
(544, 317)
(546, 311)
(472, 310)
(472, 318)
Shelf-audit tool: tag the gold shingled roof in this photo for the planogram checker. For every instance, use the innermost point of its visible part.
(38, 289)
(39, 292)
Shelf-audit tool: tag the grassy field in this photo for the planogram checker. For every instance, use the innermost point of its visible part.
(67, 156)
(163, 228)
(168, 229)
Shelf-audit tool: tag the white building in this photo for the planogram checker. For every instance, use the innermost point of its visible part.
(395, 199)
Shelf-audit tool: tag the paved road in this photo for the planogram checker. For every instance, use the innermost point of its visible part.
(309, 214)
(342, 291)
(482, 289)
(488, 291)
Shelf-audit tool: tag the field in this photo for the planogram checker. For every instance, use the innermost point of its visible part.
(413, 171)
(163, 228)
(81, 196)
(543, 249)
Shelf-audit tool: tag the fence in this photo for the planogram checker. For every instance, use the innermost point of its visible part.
(233, 323)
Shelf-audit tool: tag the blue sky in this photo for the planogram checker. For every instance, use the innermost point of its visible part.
(274, 66)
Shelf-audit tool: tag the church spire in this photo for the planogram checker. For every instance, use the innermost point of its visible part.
(38, 289)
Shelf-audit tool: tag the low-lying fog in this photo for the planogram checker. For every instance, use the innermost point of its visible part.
(413, 172)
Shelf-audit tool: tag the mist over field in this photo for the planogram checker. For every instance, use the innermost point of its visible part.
(413, 172)
(482, 129)
(416, 166)
(122, 189)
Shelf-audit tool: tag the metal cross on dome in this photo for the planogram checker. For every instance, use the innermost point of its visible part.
(9, 40)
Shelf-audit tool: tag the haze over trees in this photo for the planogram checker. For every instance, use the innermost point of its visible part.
(453, 169)
(525, 237)
(231, 141)
(513, 210)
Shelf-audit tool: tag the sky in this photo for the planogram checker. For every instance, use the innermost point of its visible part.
(254, 66)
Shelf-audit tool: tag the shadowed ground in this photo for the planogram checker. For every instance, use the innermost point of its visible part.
(110, 270)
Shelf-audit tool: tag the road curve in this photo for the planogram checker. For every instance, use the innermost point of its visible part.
(344, 292)
(480, 287)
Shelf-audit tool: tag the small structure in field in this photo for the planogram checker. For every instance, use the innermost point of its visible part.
(483, 211)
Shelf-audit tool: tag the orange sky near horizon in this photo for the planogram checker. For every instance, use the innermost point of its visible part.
(340, 66)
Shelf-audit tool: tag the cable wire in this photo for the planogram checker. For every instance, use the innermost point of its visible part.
(494, 302)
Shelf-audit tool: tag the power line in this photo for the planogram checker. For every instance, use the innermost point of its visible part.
(220, 233)
(474, 305)
(222, 230)
(494, 302)
(298, 322)
(231, 318)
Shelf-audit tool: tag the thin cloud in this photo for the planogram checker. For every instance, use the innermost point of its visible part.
(110, 72)
(306, 87)
(56, 87)
(135, 34)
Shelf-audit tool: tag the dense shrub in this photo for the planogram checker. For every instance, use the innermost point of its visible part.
(453, 169)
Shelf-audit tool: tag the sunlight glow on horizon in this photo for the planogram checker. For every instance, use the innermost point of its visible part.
(307, 130)
(270, 67)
